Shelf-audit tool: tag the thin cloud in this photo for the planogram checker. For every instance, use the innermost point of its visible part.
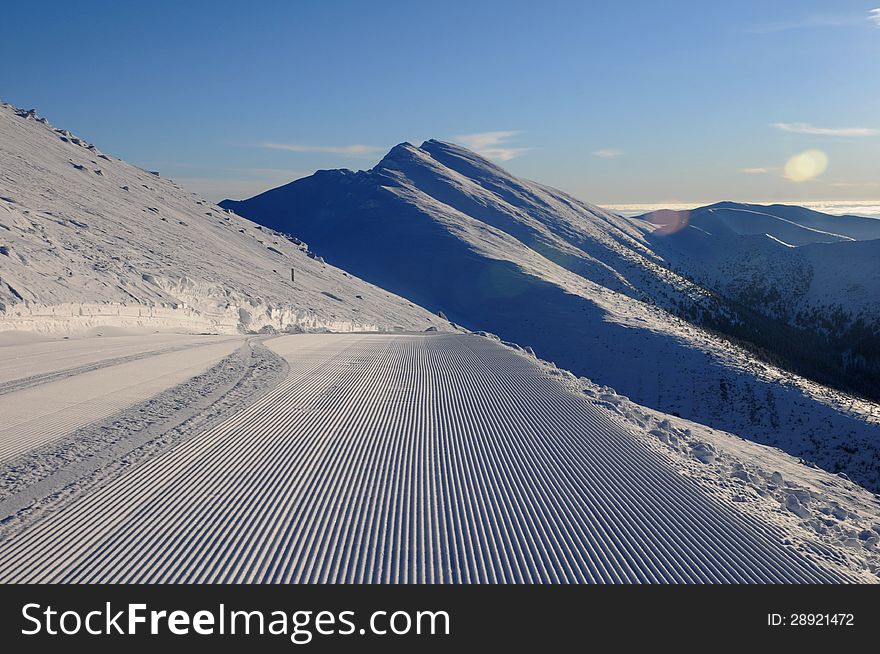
(216, 189)
(855, 184)
(807, 128)
(756, 171)
(874, 16)
(807, 22)
(608, 153)
(356, 150)
(488, 144)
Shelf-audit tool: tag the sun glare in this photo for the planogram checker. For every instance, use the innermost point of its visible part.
(669, 222)
(806, 165)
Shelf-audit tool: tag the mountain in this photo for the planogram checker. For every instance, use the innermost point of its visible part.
(791, 267)
(413, 439)
(87, 240)
(584, 287)
(792, 225)
(828, 257)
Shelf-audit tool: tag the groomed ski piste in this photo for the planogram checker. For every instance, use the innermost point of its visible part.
(434, 458)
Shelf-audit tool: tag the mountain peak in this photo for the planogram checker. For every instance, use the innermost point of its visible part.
(402, 155)
(436, 144)
(405, 146)
(461, 159)
(433, 153)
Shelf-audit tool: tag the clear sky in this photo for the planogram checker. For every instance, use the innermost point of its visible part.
(624, 102)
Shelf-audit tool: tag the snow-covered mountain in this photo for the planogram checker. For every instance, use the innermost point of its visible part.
(88, 240)
(813, 260)
(584, 287)
(463, 191)
(788, 223)
(813, 272)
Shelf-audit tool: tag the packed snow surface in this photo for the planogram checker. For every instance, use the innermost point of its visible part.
(89, 241)
(435, 458)
(48, 390)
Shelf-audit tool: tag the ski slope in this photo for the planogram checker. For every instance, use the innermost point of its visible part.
(408, 459)
(29, 361)
(51, 389)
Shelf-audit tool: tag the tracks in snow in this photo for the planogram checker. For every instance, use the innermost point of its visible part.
(30, 364)
(406, 459)
(47, 377)
(44, 412)
(47, 477)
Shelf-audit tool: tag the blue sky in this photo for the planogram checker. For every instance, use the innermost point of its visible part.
(635, 102)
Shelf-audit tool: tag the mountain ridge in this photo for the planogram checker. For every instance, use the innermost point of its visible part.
(792, 269)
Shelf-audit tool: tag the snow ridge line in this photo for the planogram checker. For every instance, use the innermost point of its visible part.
(407, 459)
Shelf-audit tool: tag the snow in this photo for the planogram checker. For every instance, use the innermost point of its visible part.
(27, 362)
(34, 481)
(820, 263)
(816, 511)
(845, 275)
(407, 459)
(781, 242)
(792, 224)
(126, 248)
(49, 392)
(585, 288)
(131, 453)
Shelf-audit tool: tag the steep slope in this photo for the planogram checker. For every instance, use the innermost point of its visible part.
(88, 240)
(455, 233)
(444, 178)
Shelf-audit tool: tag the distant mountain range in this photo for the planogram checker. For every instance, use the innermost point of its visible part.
(703, 315)
(813, 260)
(806, 284)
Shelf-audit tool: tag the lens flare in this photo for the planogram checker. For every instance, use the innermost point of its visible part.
(669, 222)
(806, 165)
